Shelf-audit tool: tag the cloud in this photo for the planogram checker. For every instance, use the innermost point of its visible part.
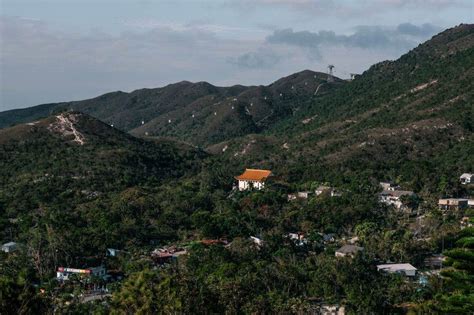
(399, 38)
(422, 30)
(44, 65)
(263, 58)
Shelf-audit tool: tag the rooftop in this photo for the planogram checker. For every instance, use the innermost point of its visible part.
(398, 193)
(395, 267)
(254, 174)
(349, 249)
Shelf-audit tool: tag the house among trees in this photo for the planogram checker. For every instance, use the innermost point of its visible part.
(63, 273)
(406, 269)
(452, 204)
(348, 250)
(9, 247)
(252, 179)
(389, 186)
(394, 197)
(466, 178)
(322, 189)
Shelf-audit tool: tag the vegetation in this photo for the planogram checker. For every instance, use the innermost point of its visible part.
(72, 187)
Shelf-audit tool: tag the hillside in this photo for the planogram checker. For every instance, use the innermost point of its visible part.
(75, 156)
(395, 119)
(199, 113)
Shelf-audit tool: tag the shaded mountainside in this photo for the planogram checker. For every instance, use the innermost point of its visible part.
(195, 112)
(409, 116)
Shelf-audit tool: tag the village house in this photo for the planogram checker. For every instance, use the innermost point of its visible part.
(298, 238)
(304, 194)
(322, 189)
(394, 197)
(470, 203)
(405, 269)
(252, 179)
(466, 178)
(167, 254)
(389, 186)
(300, 195)
(9, 247)
(452, 204)
(63, 273)
(348, 250)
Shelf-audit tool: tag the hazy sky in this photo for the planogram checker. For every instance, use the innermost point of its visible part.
(57, 50)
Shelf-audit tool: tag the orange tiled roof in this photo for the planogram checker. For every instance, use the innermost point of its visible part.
(256, 175)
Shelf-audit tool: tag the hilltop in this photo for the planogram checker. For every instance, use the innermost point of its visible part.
(199, 113)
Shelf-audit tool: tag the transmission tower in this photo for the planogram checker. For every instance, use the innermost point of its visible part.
(330, 74)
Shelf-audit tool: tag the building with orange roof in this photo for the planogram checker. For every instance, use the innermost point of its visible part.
(252, 179)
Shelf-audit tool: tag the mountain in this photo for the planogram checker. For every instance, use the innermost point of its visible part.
(411, 117)
(73, 154)
(199, 113)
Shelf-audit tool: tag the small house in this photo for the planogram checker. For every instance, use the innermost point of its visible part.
(63, 273)
(389, 186)
(322, 189)
(304, 194)
(405, 269)
(348, 250)
(452, 204)
(466, 178)
(298, 238)
(9, 247)
(252, 179)
(394, 197)
(257, 241)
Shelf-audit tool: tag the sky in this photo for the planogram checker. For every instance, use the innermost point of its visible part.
(63, 50)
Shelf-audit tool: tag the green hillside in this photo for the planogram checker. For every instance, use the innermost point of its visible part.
(410, 118)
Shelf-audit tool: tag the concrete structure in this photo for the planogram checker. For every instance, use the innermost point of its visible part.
(252, 179)
(63, 273)
(394, 197)
(9, 247)
(467, 178)
(348, 250)
(405, 269)
(452, 204)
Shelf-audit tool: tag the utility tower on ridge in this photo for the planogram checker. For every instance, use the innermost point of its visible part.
(330, 74)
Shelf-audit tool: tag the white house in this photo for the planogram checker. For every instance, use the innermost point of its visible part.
(252, 179)
(9, 247)
(348, 250)
(466, 178)
(63, 273)
(257, 241)
(406, 269)
(393, 197)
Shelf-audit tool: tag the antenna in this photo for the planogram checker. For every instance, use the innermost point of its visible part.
(330, 74)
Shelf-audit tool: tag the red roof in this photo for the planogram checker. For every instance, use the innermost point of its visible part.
(256, 175)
